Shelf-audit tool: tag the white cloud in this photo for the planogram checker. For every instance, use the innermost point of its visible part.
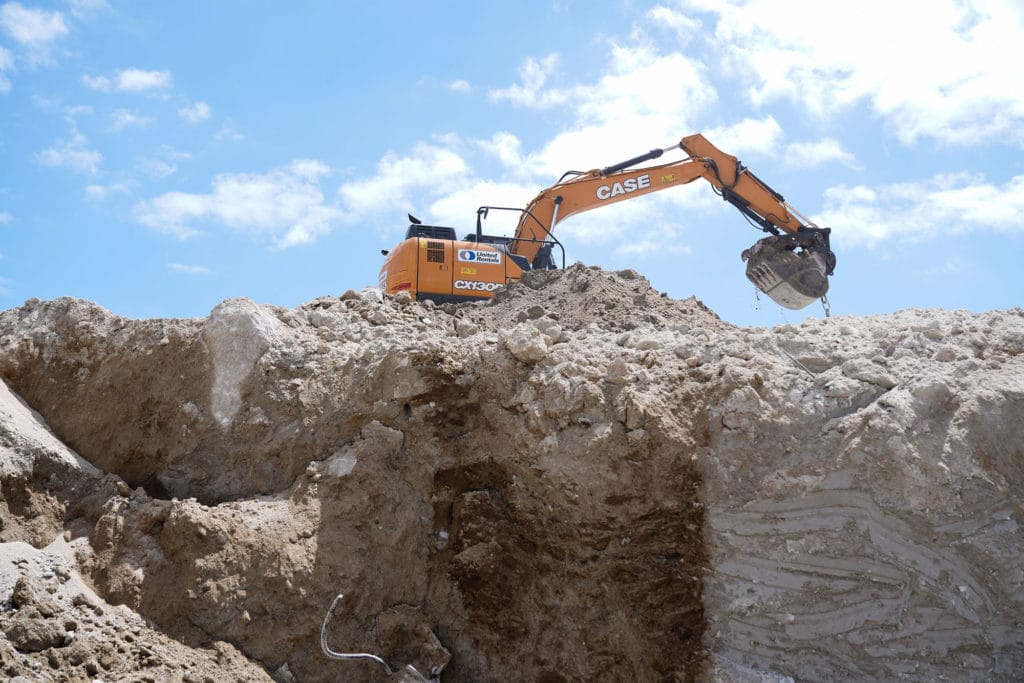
(646, 98)
(430, 169)
(122, 118)
(284, 205)
(157, 169)
(439, 177)
(228, 133)
(33, 29)
(814, 154)
(139, 80)
(458, 207)
(53, 104)
(505, 147)
(195, 113)
(644, 84)
(760, 136)
(101, 192)
(6, 64)
(87, 8)
(650, 96)
(943, 205)
(531, 92)
(129, 80)
(172, 212)
(101, 83)
(77, 110)
(436, 182)
(459, 86)
(950, 83)
(684, 26)
(5, 217)
(646, 247)
(164, 164)
(73, 154)
(190, 270)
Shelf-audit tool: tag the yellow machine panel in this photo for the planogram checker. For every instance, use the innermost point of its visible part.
(434, 266)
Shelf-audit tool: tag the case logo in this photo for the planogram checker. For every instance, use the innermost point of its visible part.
(625, 187)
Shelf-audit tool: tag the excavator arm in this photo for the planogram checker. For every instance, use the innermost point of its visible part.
(792, 266)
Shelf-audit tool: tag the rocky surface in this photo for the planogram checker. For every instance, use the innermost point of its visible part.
(582, 479)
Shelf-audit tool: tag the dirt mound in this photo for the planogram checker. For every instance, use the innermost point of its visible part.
(580, 479)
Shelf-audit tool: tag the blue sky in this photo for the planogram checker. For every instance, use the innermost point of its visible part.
(157, 158)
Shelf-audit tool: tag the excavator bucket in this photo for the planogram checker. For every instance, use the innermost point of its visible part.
(792, 279)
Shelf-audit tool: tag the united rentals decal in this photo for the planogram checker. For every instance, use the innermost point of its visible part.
(480, 256)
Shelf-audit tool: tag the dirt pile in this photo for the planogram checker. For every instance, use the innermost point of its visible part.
(582, 479)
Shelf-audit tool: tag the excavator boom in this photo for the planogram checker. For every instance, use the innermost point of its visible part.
(791, 278)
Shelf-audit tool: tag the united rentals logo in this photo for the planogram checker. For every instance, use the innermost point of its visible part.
(480, 256)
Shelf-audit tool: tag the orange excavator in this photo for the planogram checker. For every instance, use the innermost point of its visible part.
(791, 266)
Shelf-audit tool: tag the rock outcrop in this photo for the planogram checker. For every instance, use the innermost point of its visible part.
(581, 479)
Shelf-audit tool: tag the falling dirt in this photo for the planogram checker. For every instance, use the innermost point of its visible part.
(582, 479)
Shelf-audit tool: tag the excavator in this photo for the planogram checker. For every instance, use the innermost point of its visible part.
(791, 266)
